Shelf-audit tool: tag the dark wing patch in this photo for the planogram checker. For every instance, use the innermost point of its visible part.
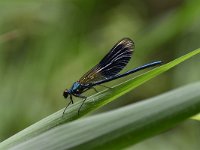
(112, 63)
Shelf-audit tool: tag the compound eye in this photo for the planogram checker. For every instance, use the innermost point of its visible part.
(65, 93)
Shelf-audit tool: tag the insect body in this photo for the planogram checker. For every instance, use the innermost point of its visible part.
(106, 70)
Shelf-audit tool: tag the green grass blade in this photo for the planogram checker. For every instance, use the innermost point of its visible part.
(93, 102)
(122, 127)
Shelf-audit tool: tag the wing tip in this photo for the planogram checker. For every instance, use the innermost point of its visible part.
(128, 41)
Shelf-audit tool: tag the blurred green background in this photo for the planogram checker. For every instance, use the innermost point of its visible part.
(46, 45)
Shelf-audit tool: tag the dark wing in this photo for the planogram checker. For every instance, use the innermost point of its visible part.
(112, 63)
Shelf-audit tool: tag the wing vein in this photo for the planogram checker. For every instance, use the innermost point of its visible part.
(112, 63)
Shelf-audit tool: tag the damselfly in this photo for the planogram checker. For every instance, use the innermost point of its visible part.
(106, 70)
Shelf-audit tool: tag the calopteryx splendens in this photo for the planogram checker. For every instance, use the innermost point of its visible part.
(106, 70)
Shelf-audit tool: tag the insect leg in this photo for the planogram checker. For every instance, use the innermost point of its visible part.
(95, 89)
(81, 106)
(84, 99)
(71, 101)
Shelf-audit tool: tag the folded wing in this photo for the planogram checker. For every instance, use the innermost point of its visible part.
(112, 63)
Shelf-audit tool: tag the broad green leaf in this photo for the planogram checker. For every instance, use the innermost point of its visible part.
(93, 102)
(122, 127)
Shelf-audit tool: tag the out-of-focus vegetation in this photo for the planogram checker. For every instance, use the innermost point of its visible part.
(139, 121)
(47, 45)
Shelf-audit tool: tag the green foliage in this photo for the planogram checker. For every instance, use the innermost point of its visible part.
(101, 99)
(123, 127)
(47, 45)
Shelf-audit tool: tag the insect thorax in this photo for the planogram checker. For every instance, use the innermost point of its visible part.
(77, 88)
